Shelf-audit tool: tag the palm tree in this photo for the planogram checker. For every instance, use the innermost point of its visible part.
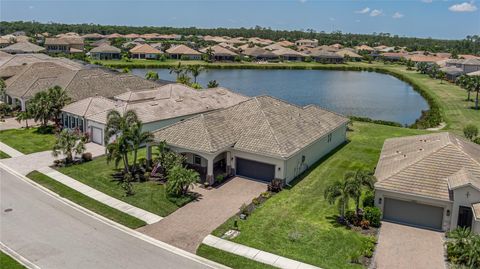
(177, 70)
(139, 138)
(195, 70)
(40, 108)
(120, 127)
(474, 85)
(23, 115)
(212, 84)
(69, 143)
(339, 190)
(356, 180)
(58, 99)
(463, 81)
(180, 179)
(151, 75)
(184, 79)
(2, 89)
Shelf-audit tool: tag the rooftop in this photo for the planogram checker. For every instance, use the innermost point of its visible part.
(23, 47)
(182, 49)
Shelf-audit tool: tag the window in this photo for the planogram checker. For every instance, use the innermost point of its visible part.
(197, 160)
(329, 138)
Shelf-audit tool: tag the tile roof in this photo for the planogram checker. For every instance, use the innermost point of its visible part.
(90, 106)
(72, 40)
(182, 49)
(348, 53)
(463, 178)
(287, 52)
(262, 125)
(471, 61)
(423, 165)
(105, 49)
(172, 101)
(145, 48)
(219, 51)
(258, 52)
(23, 47)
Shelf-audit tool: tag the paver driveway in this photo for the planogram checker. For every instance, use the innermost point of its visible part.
(401, 246)
(186, 227)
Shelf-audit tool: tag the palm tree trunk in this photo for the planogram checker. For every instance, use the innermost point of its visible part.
(125, 162)
(476, 100)
(357, 205)
(135, 159)
(468, 97)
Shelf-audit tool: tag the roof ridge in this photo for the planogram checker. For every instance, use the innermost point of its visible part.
(270, 127)
(207, 131)
(461, 149)
(88, 106)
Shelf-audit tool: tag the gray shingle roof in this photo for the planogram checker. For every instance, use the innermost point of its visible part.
(423, 165)
(262, 125)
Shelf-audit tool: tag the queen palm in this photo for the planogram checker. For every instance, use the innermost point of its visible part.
(339, 190)
(474, 85)
(58, 99)
(463, 81)
(151, 75)
(138, 138)
(177, 70)
(356, 181)
(195, 70)
(69, 143)
(23, 116)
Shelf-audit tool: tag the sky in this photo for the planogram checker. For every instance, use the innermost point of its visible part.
(446, 19)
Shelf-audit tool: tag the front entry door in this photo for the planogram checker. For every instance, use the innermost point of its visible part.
(465, 217)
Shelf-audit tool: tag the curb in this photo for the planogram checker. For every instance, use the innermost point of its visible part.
(19, 258)
(163, 245)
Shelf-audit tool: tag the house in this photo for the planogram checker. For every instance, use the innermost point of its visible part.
(420, 58)
(93, 36)
(106, 52)
(145, 51)
(348, 53)
(467, 65)
(259, 54)
(285, 43)
(288, 54)
(131, 36)
(312, 43)
(262, 138)
(430, 181)
(364, 48)
(100, 42)
(23, 47)
(393, 56)
(6, 41)
(220, 53)
(113, 36)
(324, 56)
(183, 52)
(452, 72)
(64, 45)
(156, 108)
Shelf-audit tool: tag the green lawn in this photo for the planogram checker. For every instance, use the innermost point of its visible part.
(7, 262)
(4, 155)
(85, 201)
(229, 259)
(150, 196)
(299, 224)
(27, 140)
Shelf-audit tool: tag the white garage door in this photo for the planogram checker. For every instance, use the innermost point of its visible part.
(413, 213)
(97, 135)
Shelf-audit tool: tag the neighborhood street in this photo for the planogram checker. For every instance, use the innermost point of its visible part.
(53, 234)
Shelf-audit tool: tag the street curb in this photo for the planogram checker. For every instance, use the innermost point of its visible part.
(153, 241)
(19, 258)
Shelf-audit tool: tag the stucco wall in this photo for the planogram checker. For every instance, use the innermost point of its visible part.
(314, 152)
(447, 206)
(461, 199)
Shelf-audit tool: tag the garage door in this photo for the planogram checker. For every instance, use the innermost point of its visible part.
(412, 213)
(255, 170)
(97, 135)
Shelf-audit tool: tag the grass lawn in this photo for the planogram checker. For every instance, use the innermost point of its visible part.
(299, 224)
(228, 259)
(150, 196)
(4, 155)
(27, 140)
(7, 262)
(85, 201)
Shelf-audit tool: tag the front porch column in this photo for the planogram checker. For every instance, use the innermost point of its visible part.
(210, 179)
(149, 154)
(229, 163)
(23, 105)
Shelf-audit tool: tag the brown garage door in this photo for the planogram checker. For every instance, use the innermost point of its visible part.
(413, 213)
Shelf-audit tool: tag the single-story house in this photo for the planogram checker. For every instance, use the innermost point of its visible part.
(23, 47)
(467, 65)
(349, 53)
(156, 108)
(131, 36)
(452, 72)
(113, 36)
(182, 51)
(106, 52)
(93, 36)
(288, 54)
(364, 48)
(100, 42)
(145, 51)
(259, 54)
(262, 138)
(220, 53)
(6, 41)
(64, 45)
(430, 181)
(393, 56)
(324, 56)
(307, 43)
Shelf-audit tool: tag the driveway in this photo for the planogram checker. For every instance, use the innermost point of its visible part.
(401, 246)
(186, 227)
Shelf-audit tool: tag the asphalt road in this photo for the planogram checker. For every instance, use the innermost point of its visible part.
(52, 234)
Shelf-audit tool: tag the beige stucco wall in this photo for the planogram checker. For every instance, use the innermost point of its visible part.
(447, 206)
(462, 199)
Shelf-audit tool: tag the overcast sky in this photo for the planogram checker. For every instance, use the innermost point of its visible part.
(421, 18)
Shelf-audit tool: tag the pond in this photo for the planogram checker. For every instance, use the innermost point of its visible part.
(365, 94)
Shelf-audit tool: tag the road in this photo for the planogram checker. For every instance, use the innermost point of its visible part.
(53, 234)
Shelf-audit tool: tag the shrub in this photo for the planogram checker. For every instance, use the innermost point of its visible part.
(351, 217)
(244, 210)
(87, 156)
(463, 247)
(373, 215)
(184, 58)
(219, 178)
(266, 194)
(365, 224)
(369, 199)
(256, 201)
(276, 185)
(470, 131)
(477, 140)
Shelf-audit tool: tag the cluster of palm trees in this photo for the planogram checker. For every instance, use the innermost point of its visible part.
(183, 73)
(350, 187)
(470, 84)
(463, 248)
(433, 70)
(127, 135)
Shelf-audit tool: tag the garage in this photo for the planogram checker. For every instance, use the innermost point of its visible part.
(416, 214)
(255, 170)
(97, 135)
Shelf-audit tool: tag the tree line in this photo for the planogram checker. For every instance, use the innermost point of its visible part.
(470, 44)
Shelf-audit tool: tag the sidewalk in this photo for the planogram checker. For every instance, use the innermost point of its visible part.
(10, 151)
(146, 216)
(255, 254)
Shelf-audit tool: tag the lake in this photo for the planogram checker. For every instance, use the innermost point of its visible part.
(366, 94)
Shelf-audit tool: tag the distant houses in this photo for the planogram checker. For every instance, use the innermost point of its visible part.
(65, 45)
(220, 53)
(106, 52)
(23, 47)
(183, 52)
(312, 43)
(145, 51)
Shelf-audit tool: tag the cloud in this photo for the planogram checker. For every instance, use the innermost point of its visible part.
(398, 15)
(376, 13)
(463, 7)
(363, 11)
